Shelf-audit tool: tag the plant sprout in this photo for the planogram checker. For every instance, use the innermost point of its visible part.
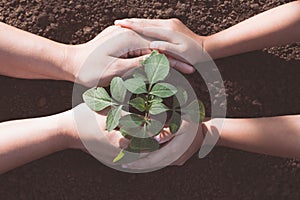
(148, 92)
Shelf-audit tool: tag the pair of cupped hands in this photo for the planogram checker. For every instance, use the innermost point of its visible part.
(116, 50)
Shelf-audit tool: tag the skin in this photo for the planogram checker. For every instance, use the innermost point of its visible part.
(277, 26)
(278, 136)
(24, 55)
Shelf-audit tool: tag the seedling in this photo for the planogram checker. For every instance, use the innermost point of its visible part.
(147, 95)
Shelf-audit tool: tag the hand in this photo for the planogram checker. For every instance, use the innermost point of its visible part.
(97, 61)
(174, 37)
(112, 53)
(176, 149)
(86, 130)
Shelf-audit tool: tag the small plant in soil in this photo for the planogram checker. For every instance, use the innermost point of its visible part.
(147, 94)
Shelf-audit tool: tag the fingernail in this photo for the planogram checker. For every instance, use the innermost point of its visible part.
(124, 166)
(117, 22)
(157, 138)
(123, 21)
(190, 70)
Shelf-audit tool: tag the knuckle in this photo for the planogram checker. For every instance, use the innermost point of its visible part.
(127, 32)
(174, 23)
(175, 20)
(183, 49)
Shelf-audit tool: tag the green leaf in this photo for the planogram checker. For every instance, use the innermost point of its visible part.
(150, 129)
(113, 118)
(157, 108)
(195, 110)
(118, 89)
(131, 121)
(180, 98)
(97, 98)
(153, 53)
(163, 90)
(155, 127)
(136, 85)
(123, 132)
(157, 68)
(126, 134)
(155, 99)
(148, 144)
(119, 156)
(202, 110)
(140, 73)
(138, 103)
(175, 122)
(133, 131)
(130, 155)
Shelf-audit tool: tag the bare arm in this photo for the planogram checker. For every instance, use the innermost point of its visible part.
(22, 141)
(278, 136)
(25, 55)
(278, 26)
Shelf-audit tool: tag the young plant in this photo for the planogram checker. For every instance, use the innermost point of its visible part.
(146, 103)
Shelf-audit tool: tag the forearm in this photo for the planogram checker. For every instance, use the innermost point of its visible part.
(23, 141)
(278, 136)
(25, 55)
(278, 26)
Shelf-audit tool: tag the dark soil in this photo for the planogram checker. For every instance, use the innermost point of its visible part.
(262, 83)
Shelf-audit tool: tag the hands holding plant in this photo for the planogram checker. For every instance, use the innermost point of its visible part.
(142, 40)
(114, 52)
(143, 126)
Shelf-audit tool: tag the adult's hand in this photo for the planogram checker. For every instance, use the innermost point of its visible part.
(86, 130)
(172, 37)
(112, 53)
(189, 137)
(99, 60)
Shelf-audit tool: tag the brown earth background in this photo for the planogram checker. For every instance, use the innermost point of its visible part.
(261, 83)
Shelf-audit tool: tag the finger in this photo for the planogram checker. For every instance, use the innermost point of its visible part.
(151, 30)
(130, 63)
(160, 33)
(140, 23)
(172, 49)
(131, 43)
(116, 139)
(164, 136)
(160, 158)
(181, 66)
(164, 46)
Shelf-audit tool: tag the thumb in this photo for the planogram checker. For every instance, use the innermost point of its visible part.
(132, 62)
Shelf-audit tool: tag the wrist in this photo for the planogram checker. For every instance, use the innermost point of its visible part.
(66, 128)
(210, 47)
(69, 63)
(214, 129)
